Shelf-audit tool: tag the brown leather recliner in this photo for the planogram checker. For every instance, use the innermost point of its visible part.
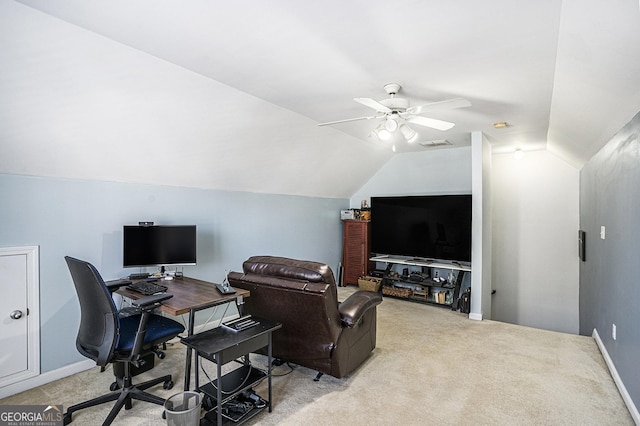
(317, 331)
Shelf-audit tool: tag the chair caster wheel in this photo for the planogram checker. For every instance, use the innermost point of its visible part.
(66, 418)
(114, 387)
(168, 384)
(164, 415)
(161, 355)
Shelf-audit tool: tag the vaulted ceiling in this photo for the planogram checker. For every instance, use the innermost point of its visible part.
(229, 95)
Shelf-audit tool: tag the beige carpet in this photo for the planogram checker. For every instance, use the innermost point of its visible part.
(431, 366)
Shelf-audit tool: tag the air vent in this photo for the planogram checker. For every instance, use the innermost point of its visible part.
(431, 144)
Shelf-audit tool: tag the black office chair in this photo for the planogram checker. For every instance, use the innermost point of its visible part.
(106, 337)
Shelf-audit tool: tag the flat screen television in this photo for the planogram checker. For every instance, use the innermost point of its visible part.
(159, 245)
(428, 227)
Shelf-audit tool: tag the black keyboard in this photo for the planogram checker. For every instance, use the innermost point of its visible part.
(147, 288)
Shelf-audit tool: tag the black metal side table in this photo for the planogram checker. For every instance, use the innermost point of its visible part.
(221, 346)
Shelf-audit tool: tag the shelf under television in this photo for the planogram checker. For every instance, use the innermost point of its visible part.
(415, 261)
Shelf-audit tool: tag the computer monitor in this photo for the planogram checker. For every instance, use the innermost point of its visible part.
(159, 245)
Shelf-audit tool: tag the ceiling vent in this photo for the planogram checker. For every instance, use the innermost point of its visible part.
(431, 144)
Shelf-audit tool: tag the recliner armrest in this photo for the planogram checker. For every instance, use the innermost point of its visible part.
(352, 309)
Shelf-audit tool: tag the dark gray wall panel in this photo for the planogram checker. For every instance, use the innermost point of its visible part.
(610, 277)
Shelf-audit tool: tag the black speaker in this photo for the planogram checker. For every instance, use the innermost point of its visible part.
(581, 245)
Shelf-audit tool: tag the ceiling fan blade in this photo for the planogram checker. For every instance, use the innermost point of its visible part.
(448, 104)
(430, 122)
(329, 123)
(373, 104)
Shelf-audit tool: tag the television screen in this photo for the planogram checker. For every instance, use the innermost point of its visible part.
(159, 245)
(431, 227)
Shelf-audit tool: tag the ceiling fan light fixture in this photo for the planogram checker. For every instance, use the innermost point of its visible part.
(409, 134)
(382, 133)
(391, 125)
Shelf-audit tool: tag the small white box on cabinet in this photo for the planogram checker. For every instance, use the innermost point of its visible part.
(347, 214)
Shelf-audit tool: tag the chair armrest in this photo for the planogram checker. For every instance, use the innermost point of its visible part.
(152, 300)
(352, 309)
(113, 285)
(146, 304)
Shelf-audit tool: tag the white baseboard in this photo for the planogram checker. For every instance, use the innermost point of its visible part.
(633, 410)
(45, 378)
(475, 317)
(71, 369)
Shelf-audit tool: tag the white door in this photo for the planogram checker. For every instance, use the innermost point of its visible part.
(19, 319)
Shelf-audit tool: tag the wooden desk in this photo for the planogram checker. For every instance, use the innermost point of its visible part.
(190, 295)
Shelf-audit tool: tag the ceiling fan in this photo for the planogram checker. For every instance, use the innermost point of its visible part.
(397, 112)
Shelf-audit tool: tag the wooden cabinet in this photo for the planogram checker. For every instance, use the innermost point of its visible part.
(356, 250)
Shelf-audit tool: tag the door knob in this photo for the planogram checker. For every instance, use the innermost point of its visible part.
(16, 314)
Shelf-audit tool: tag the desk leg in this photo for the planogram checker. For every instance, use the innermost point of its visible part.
(187, 367)
(239, 304)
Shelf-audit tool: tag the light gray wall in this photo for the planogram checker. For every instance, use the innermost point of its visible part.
(84, 219)
(609, 288)
(438, 171)
(535, 257)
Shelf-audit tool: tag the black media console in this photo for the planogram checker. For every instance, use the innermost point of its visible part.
(423, 280)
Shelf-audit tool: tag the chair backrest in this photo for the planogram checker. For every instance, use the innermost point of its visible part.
(293, 269)
(98, 332)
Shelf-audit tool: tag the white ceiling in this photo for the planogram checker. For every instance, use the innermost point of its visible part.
(233, 91)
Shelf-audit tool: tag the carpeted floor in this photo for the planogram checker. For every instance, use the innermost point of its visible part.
(431, 366)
